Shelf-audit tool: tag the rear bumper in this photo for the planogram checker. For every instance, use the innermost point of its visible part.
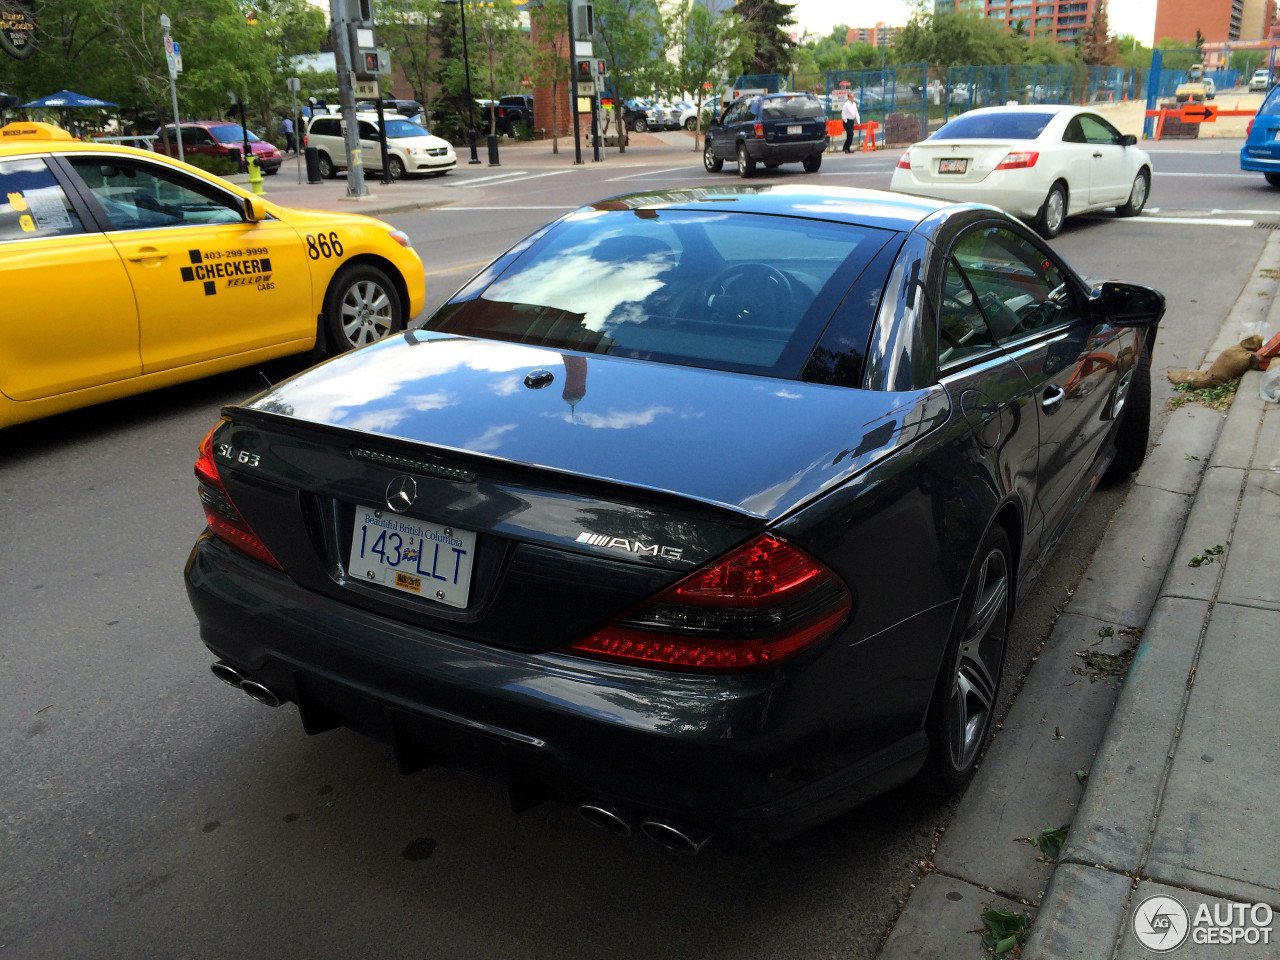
(751, 756)
(1258, 164)
(1022, 201)
(791, 152)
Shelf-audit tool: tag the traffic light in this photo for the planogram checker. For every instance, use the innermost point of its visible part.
(584, 21)
(600, 68)
(584, 69)
(370, 62)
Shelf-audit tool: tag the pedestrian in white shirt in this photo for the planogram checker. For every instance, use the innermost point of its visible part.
(849, 114)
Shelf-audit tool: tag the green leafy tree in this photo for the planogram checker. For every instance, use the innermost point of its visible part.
(507, 54)
(772, 49)
(707, 48)
(631, 34)
(408, 28)
(946, 40)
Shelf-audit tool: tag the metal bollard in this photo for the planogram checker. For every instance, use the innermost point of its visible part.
(493, 150)
(313, 165)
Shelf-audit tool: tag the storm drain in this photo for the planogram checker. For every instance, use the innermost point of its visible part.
(1268, 225)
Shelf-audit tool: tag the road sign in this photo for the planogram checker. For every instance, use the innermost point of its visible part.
(1199, 113)
(366, 89)
(168, 46)
(177, 57)
(586, 89)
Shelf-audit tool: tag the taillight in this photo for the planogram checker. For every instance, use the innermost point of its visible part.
(1017, 161)
(764, 602)
(759, 130)
(225, 521)
(1248, 129)
(904, 161)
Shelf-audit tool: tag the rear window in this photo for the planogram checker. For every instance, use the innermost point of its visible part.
(1271, 106)
(727, 291)
(792, 108)
(1004, 125)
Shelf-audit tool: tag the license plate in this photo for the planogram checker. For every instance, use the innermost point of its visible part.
(795, 130)
(953, 166)
(413, 556)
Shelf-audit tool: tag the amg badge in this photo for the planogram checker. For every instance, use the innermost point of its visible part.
(631, 546)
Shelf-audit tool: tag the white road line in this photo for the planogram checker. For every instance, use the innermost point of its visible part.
(1232, 176)
(1190, 221)
(517, 177)
(1194, 153)
(652, 174)
(1263, 213)
(496, 176)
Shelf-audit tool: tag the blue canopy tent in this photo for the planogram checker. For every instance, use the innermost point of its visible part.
(66, 98)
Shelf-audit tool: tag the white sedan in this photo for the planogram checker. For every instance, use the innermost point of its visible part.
(1042, 163)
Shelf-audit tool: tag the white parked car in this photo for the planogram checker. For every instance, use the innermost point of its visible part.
(410, 148)
(1260, 82)
(1042, 163)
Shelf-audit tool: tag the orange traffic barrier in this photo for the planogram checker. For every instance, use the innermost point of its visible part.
(835, 129)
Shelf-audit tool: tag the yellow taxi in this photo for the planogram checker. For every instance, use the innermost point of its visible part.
(123, 271)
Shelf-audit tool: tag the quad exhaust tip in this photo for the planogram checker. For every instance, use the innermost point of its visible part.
(607, 817)
(262, 693)
(227, 673)
(680, 837)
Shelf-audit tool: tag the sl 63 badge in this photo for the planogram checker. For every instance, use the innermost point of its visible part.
(238, 456)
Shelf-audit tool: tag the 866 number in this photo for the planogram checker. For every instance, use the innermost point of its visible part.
(325, 245)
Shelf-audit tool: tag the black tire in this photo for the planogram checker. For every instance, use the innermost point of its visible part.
(361, 305)
(1138, 194)
(746, 166)
(966, 695)
(709, 160)
(270, 173)
(812, 163)
(1135, 422)
(691, 123)
(641, 125)
(1053, 212)
(1273, 179)
(327, 169)
(395, 167)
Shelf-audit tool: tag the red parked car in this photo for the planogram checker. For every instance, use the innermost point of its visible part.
(216, 138)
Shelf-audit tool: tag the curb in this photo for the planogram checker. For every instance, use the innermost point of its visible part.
(1183, 494)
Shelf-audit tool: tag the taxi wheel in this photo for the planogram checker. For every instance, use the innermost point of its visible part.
(396, 168)
(362, 306)
(326, 166)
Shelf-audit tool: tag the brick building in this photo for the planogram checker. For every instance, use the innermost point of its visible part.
(1217, 20)
(1061, 20)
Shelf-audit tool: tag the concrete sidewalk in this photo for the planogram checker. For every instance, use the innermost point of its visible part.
(1180, 797)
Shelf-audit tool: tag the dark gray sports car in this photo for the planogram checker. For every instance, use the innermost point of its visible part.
(705, 511)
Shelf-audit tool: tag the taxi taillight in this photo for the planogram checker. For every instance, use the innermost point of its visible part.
(220, 512)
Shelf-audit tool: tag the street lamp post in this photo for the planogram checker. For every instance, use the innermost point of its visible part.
(466, 65)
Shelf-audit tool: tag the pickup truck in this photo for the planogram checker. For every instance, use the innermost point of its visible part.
(512, 112)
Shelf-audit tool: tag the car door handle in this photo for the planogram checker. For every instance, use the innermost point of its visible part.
(1052, 398)
(145, 254)
(1098, 154)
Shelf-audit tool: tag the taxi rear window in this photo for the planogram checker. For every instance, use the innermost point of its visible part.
(32, 204)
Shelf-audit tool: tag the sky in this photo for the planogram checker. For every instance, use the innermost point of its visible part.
(1137, 17)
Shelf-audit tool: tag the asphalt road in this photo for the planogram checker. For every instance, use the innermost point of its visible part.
(148, 810)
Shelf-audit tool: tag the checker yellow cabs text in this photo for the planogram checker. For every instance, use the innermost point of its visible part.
(124, 271)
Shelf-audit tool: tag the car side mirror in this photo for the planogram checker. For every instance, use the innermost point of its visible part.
(1130, 305)
(255, 211)
(1128, 140)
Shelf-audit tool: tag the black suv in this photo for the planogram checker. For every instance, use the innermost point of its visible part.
(771, 129)
(511, 112)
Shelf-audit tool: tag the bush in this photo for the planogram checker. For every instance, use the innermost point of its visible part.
(524, 131)
(218, 166)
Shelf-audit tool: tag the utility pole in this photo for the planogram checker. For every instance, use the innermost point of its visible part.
(338, 13)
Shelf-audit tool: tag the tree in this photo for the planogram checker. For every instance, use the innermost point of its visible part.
(507, 52)
(1098, 48)
(772, 49)
(946, 40)
(408, 29)
(631, 37)
(707, 46)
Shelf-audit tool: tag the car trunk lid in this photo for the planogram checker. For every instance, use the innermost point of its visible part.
(959, 161)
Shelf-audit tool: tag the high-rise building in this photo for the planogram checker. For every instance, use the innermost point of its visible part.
(1216, 20)
(1061, 20)
(872, 35)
